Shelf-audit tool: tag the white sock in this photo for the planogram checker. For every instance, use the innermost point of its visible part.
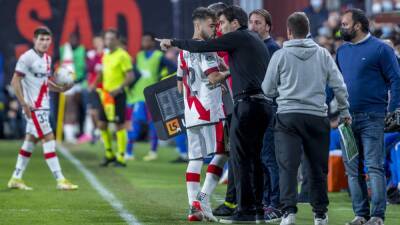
(69, 132)
(214, 172)
(193, 179)
(89, 126)
(23, 159)
(49, 149)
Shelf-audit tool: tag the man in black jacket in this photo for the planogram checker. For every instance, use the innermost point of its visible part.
(248, 61)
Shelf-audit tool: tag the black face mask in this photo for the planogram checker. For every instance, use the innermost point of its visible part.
(348, 34)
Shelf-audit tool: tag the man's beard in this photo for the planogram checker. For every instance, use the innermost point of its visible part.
(205, 36)
(348, 34)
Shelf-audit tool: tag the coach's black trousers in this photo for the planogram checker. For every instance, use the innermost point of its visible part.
(249, 122)
(292, 131)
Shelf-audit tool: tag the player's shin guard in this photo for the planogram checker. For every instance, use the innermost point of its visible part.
(106, 137)
(49, 149)
(122, 140)
(214, 172)
(23, 159)
(193, 179)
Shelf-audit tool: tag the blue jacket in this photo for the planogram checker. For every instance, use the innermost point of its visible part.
(370, 69)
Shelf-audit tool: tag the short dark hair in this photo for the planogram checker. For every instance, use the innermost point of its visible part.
(218, 7)
(42, 31)
(202, 13)
(359, 16)
(113, 31)
(264, 13)
(149, 34)
(234, 12)
(298, 24)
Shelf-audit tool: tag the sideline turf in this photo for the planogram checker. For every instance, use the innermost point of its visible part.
(154, 192)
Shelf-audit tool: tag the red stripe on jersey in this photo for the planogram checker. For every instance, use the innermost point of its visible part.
(192, 177)
(219, 133)
(47, 62)
(216, 170)
(21, 74)
(211, 70)
(203, 113)
(37, 125)
(42, 93)
(25, 153)
(50, 155)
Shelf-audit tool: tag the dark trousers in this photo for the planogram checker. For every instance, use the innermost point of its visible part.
(292, 131)
(304, 195)
(230, 189)
(270, 167)
(249, 122)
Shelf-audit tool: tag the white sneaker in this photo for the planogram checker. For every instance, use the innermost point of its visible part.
(358, 220)
(288, 219)
(150, 157)
(207, 211)
(375, 221)
(321, 221)
(129, 157)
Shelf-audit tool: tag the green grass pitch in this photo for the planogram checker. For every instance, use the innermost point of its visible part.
(155, 192)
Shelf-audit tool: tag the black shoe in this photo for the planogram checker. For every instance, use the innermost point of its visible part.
(119, 164)
(107, 161)
(224, 209)
(179, 160)
(239, 218)
(272, 215)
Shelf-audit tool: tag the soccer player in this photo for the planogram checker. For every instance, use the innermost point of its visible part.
(32, 81)
(116, 76)
(198, 76)
(149, 63)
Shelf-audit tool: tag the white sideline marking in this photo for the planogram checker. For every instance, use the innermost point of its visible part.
(103, 191)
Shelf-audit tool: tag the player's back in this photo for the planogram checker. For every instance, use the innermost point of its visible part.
(36, 69)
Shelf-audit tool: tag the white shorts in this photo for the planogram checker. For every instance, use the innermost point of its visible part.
(39, 123)
(206, 140)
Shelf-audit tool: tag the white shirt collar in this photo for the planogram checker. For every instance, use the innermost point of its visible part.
(362, 40)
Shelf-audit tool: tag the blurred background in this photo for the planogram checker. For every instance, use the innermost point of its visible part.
(80, 21)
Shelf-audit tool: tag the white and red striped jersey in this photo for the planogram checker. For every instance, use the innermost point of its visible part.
(203, 100)
(35, 70)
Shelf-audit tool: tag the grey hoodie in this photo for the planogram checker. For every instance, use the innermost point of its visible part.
(298, 75)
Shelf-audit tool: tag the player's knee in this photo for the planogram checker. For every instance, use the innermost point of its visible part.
(102, 125)
(120, 126)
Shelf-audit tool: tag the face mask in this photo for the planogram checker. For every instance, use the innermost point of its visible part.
(387, 5)
(316, 4)
(386, 31)
(376, 8)
(398, 6)
(347, 34)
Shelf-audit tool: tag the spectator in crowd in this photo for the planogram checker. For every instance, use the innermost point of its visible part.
(317, 14)
(260, 21)
(369, 68)
(298, 75)
(2, 98)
